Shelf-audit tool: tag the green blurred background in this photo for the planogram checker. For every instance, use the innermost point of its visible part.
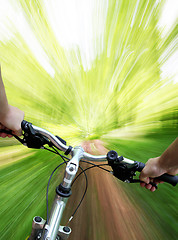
(89, 70)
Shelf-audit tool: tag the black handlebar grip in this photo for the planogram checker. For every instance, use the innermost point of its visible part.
(173, 180)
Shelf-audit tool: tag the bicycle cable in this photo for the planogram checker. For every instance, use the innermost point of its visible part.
(94, 165)
(47, 209)
(86, 186)
(83, 171)
(56, 152)
(63, 158)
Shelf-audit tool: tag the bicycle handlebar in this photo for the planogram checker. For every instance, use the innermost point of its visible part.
(127, 165)
(123, 168)
(61, 146)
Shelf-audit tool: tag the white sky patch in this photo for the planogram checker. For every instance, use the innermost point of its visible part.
(5, 31)
(78, 23)
(170, 68)
(169, 16)
(34, 44)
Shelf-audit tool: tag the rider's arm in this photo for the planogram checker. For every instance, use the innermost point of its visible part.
(10, 117)
(166, 163)
(3, 98)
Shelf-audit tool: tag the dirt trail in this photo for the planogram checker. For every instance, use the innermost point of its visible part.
(106, 213)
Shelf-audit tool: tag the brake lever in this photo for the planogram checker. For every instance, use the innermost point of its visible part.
(122, 170)
(33, 139)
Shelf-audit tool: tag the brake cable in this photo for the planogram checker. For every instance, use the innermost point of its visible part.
(47, 191)
(94, 165)
(86, 186)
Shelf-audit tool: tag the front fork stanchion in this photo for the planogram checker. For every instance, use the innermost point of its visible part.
(63, 191)
(51, 229)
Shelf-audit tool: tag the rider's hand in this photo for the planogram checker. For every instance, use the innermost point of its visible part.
(11, 120)
(151, 170)
(158, 166)
(155, 167)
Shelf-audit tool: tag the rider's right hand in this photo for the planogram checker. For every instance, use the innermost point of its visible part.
(151, 170)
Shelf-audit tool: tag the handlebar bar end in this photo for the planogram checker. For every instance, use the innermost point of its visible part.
(112, 157)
